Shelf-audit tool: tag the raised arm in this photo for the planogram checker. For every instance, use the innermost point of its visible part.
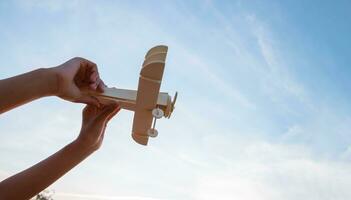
(33, 180)
(70, 81)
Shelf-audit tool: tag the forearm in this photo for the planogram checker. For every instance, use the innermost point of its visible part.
(21, 89)
(33, 180)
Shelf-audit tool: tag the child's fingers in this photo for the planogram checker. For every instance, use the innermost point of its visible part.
(113, 113)
(88, 109)
(90, 100)
(101, 86)
(93, 86)
(105, 113)
(94, 76)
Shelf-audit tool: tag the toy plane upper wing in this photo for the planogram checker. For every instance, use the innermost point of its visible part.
(147, 102)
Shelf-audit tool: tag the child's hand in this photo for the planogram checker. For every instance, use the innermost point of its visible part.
(75, 78)
(94, 123)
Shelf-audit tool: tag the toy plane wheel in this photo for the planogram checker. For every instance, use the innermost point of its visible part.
(152, 132)
(157, 113)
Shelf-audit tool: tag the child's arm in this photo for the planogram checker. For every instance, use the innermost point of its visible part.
(69, 81)
(33, 180)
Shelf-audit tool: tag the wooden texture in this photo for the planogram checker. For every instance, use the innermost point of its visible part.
(129, 96)
(148, 90)
(147, 97)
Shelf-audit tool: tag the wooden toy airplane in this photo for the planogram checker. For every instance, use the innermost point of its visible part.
(147, 102)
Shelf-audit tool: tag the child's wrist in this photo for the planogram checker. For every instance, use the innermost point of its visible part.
(85, 145)
(50, 77)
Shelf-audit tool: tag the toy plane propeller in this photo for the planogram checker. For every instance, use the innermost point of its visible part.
(148, 103)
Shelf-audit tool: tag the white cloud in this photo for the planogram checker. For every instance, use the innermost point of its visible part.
(203, 69)
(273, 171)
(278, 79)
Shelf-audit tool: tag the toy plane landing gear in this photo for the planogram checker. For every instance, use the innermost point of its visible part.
(148, 103)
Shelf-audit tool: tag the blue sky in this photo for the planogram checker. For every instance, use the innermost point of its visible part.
(263, 109)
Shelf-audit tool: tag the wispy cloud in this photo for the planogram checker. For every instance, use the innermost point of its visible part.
(263, 170)
(278, 79)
